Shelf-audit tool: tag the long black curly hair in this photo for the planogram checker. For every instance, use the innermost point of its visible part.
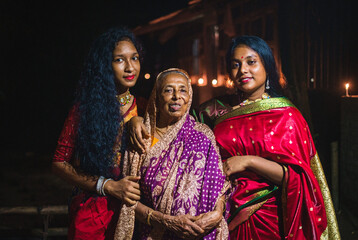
(263, 49)
(98, 107)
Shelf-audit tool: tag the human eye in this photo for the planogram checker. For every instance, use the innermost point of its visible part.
(251, 62)
(183, 90)
(235, 65)
(168, 90)
(135, 58)
(118, 60)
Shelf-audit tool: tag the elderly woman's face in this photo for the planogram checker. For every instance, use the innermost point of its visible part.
(173, 98)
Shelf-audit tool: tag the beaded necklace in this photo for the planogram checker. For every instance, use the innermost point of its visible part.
(247, 101)
(124, 99)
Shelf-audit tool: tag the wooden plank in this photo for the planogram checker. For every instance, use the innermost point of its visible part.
(19, 210)
(50, 232)
(60, 209)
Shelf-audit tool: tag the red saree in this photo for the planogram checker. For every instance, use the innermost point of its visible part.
(91, 216)
(274, 129)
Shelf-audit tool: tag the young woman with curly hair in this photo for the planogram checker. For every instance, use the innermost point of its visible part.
(92, 141)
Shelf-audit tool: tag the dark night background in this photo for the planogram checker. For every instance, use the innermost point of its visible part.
(42, 47)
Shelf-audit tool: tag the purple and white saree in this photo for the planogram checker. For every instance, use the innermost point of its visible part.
(181, 174)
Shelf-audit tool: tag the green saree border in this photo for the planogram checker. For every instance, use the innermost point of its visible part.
(265, 104)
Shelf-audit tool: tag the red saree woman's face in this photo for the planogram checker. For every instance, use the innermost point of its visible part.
(248, 72)
(173, 98)
(125, 65)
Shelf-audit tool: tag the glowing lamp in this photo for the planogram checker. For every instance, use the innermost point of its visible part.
(201, 81)
(214, 82)
(347, 87)
(147, 76)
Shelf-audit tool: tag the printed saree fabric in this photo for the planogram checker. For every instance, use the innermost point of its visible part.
(181, 174)
(91, 216)
(301, 207)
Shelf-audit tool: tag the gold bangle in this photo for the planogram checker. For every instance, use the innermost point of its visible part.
(224, 202)
(148, 216)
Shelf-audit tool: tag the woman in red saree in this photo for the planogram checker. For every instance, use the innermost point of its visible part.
(90, 146)
(280, 190)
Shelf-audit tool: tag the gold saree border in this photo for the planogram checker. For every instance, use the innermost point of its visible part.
(332, 230)
(265, 104)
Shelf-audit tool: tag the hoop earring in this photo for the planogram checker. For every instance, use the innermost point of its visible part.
(268, 83)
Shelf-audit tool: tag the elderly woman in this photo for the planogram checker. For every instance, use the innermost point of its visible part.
(181, 177)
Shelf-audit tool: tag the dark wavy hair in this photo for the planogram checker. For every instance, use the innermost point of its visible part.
(98, 107)
(262, 48)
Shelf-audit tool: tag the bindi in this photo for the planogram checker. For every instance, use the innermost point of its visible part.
(242, 57)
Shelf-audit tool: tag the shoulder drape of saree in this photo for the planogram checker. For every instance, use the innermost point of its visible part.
(126, 219)
(331, 231)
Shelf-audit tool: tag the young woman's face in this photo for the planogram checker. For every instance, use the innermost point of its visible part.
(173, 98)
(248, 72)
(125, 65)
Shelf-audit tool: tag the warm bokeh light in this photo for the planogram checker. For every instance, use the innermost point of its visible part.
(214, 82)
(229, 83)
(201, 81)
(147, 76)
(347, 86)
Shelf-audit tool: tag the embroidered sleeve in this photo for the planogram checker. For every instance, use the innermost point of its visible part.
(66, 141)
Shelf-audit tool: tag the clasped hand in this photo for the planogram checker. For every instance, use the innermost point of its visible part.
(190, 227)
(126, 189)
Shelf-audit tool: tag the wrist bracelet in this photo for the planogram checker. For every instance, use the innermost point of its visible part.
(148, 216)
(102, 188)
(99, 185)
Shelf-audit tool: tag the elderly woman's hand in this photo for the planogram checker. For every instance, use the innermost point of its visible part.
(208, 221)
(126, 189)
(137, 132)
(183, 226)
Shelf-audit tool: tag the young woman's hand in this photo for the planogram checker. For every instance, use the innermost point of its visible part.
(126, 189)
(137, 132)
(236, 164)
(268, 169)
